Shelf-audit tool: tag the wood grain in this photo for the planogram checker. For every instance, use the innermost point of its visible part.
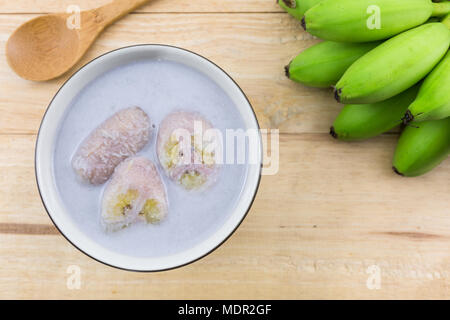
(226, 6)
(28, 229)
(239, 43)
(333, 210)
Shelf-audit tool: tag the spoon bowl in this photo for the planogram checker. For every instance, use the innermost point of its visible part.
(43, 48)
(46, 47)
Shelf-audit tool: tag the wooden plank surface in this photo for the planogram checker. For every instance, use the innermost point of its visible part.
(239, 43)
(334, 209)
(173, 6)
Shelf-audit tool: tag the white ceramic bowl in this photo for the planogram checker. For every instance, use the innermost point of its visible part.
(47, 136)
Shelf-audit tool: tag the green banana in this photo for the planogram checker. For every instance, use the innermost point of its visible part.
(297, 8)
(358, 122)
(368, 20)
(422, 148)
(323, 64)
(394, 65)
(433, 100)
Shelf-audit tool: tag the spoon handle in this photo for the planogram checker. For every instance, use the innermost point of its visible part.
(115, 10)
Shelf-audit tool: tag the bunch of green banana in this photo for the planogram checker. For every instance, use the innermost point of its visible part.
(368, 20)
(395, 65)
(358, 122)
(381, 82)
(422, 148)
(297, 8)
(433, 100)
(323, 64)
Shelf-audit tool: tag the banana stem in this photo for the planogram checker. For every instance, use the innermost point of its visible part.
(446, 21)
(291, 4)
(441, 9)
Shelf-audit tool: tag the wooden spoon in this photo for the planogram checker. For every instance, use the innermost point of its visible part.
(45, 47)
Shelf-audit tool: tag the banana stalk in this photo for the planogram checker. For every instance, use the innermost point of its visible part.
(297, 8)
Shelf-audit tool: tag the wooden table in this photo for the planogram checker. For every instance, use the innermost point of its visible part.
(333, 216)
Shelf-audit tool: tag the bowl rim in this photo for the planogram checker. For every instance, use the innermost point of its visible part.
(220, 243)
